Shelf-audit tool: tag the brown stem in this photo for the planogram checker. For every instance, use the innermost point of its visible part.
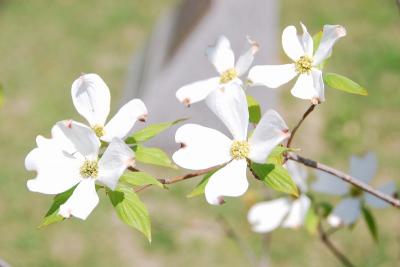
(308, 111)
(335, 251)
(185, 176)
(175, 179)
(345, 177)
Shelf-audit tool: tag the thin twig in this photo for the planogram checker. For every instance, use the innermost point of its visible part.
(335, 251)
(175, 179)
(185, 176)
(308, 111)
(345, 177)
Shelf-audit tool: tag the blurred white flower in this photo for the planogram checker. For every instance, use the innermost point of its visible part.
(91, 98)
(300, 49)
(203, 147)
(70, 158)
(223, 59)
(349, 209)
(284, 212)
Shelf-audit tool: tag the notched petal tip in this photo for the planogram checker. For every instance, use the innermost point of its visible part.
(255, 47)
(182, 145)
(286, 133)
(315, 101)
(186, 102)
(341, 31)
(220, 200)
(143, 118)
(131, 162)
(68, 123)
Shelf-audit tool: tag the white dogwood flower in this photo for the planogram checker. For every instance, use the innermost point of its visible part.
(70, 158)
(203, 147)
(284, 212)
(223, 59)
(300, 49)
(91, 98)
(349, 209)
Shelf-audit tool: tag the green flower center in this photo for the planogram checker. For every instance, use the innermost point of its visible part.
(355, 191)
(99, 130)
(89, 169)
(240, 149)
(304, 65)
(228, 76)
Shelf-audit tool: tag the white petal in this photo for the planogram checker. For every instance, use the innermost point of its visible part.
(345, 213)
(197, 91)
(56, 170)
(82, 201)
(330, 34)
(298, 173)
(307, 41)
(270, 132)
(319, 85)
(266, 216)
(297, 212)
(221, 55)
(117, 157)
(328, 184)
(229, 181)
(246, 59)
(202, 147)
(272, 76)
(91, 98)
(230, 105)
(364, 168)
(308, 85)
(121, 125)
(291, 43)
(389, 189)
(76, 137)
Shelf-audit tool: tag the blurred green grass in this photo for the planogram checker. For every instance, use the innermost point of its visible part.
(46, 44)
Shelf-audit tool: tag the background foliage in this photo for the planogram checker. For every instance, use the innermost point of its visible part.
(45, 44)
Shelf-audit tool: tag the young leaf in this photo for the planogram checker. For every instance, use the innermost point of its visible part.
(151, 131)
(200, 187)
(369, 219)
(276, 155)
(340, 82)
(140, 178)
(52, 215)
(153, 155)
(324, 209)
(276, 177)
(311, 221)
(131, 210)
(254, 109)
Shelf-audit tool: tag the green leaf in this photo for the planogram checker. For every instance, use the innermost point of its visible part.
(131, 210)
(140, 178)
(200, 187)
(153, 155)
(311, 221)
(52, 215)
(151, 131)
(276, 155)
(342, 83)
(324, 209)
(369, 219)
(276, 177)
(254, 109)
